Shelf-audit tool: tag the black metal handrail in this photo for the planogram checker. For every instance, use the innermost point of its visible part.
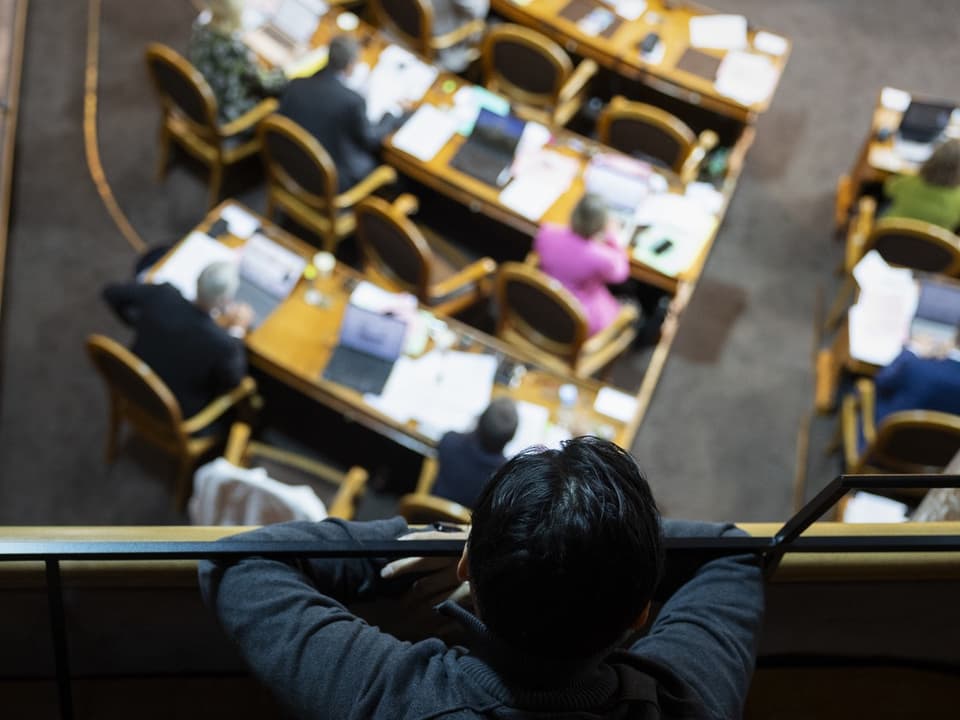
(688, 550)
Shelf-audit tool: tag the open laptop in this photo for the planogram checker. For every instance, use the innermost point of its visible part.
(488, 153)
(370, 344)
(938, 314)
(923, 122)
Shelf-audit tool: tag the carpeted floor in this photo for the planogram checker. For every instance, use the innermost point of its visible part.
(719, 439)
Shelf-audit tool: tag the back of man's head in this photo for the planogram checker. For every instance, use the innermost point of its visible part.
(497, 425)
(566, 549)
(343, 53)
(217, 285)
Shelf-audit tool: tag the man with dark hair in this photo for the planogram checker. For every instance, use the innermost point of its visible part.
(336, 115)
(465, 461)
(562, 560)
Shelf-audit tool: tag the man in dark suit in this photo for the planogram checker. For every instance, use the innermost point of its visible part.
(180, 340)
(336, 115)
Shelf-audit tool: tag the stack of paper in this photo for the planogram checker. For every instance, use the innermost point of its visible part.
(398, 78)
(186, 263)
(746, 77)
(534, 429)
(375, 299)
(718, 32)
(425, 133)
(677, 228)
(540, 177)
(621, 181)
(270, 266)
(628, 9)
(441, 391)
(879, 323)
(770, 43)
(240, 223)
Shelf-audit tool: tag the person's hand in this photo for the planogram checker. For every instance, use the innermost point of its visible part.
(438, 581)
(238, 315)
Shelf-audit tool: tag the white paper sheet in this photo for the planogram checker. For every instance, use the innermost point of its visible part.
(719, 32)
(616, 404)
(873, 273)
(621, 181)
(297, 20)
(375, 299)
(399, 77)
(746, 77)
(540, 178)
(532, 423)
(184, 266)
(869, 508)
(425, 133)
(769, 43)
(674, 218)
(240, 223)
(469, 100)
(895, 99)
(706, 196)
(628, 9)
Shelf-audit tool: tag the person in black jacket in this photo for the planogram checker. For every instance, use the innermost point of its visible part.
(180, 340)
(563, 559)
(336, 115)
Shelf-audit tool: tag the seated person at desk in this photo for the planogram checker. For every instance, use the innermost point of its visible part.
(586, 257)
(466, 461)
(934, 194)
(563, 559)
(227, 65)
(181, 341)
(919, 379)
(336, 115)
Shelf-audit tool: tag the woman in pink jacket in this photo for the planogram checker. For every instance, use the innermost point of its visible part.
(586, 258)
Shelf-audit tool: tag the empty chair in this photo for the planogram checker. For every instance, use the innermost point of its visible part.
(138, 396)
(535, 74)
(539, 316)
(436, 36)
(396, 255)
(189, 118)
(644, 130)
(302, 181)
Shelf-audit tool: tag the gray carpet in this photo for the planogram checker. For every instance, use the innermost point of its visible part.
(719, 440)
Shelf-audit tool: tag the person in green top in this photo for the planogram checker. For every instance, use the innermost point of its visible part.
(218, 53)
(934, 194)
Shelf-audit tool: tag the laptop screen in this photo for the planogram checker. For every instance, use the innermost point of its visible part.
(366, 331)
(501, 132)
(923, 122)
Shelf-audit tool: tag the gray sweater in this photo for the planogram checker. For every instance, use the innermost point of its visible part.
(321, 661)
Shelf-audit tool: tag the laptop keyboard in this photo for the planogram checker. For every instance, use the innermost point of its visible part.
(360, 371)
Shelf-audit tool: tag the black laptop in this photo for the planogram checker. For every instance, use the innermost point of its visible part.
(370, 344)
(923, 122)
(488, 153)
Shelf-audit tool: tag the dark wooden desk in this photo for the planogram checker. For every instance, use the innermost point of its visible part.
(689, 77)
(295, 342)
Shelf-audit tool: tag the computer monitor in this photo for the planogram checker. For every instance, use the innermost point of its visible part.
(372, 333)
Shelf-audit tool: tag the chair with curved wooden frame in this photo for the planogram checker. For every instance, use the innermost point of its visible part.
(190, 118)
(140, 397)
(419, 509)
(905, 242)
(637, 128)
(340, 492)
(909, 441)
(412, 23)
(535, 73)
(396, 255)
(302, 181)
(540, 316)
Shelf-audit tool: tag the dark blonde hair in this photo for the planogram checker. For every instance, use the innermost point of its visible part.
(943, 167)
(589, 216)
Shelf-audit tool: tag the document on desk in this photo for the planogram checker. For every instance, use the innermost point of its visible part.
(240, 222)
(425, 133)
(623, 182)
(746, 77)
(718, 32)
(540, 178)
(869, 508)
(399, 77)
(534, 428)
(469, 100)
(270, 266)
(676, 230)
(628, 9)
(190, 258)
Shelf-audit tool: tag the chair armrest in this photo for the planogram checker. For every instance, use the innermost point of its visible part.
(476, 272)
(219, 406)
(625, 319)
(532, 259)
(237, 443)
(407, 204)
(477, 26)
(353, 485)
(418, 505)
(848, 428)
(577, 81)
(382, 175)
(867, 390)
(250, 118)
(707, 140)
(859, 232)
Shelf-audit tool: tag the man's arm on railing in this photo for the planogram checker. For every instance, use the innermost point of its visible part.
(289, 621)
(707, 631)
